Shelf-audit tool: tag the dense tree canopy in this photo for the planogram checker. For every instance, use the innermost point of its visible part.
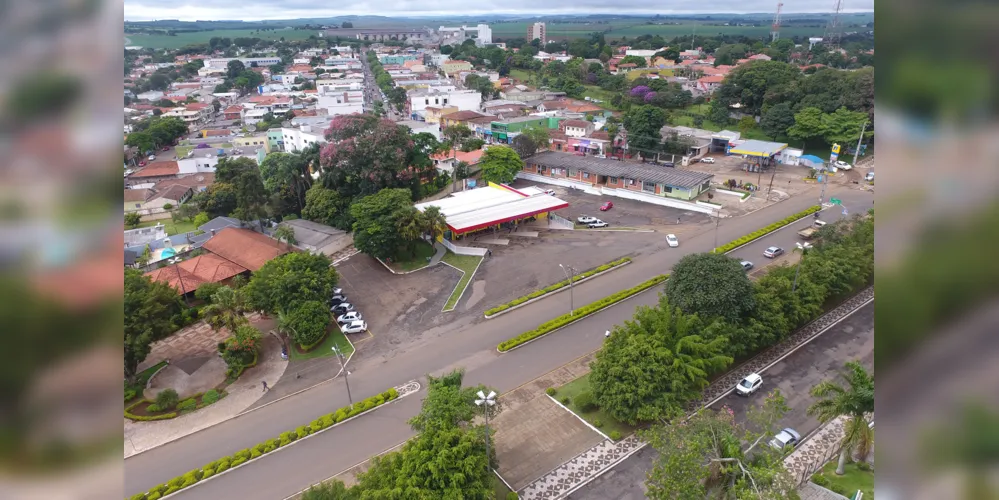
(710, 285)
(651, 366)
(151, 308)
(644, 125)
(308, 322)
(380, 222)
(289, 280)
(500, 164)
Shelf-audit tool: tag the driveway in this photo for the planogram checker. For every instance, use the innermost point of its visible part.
(822, 359)
(459, 343)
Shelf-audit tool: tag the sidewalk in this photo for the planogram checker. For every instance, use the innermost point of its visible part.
(575, 473)
(142, 436)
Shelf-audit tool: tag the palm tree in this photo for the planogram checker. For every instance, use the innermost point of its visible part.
(285, 233)
(410, 229)
(226, 309)
(855, 400)
(434, 222)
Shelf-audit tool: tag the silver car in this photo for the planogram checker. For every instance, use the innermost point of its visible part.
(785, 438)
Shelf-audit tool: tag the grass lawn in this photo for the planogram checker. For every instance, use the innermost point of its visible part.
(183, 150)
(424, 251)
(172, 227)
(638, 73)
(467, 263)
(522, 75)
(164, 41)
(334, 337)
(854, 479)
(594, 92)
(608, 424)
(499, 488)
(142, 378)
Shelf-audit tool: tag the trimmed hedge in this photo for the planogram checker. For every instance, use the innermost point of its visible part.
(240, 457)
(234, 373)
(759, 233)
(557, 286)
(578, 314)
(143, 418)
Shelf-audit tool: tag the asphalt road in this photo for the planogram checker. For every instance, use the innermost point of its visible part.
(822, 359)
(468, 342)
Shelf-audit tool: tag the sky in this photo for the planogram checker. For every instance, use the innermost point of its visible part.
(255, 10)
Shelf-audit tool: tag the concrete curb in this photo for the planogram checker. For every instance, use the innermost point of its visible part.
(155, 373)
(785, 226)
(581, 419)
(403, 272)
(553, 292)
(580, 319)
(481, 260)
(293, 443)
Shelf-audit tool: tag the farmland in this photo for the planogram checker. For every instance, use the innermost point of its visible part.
(187, 38)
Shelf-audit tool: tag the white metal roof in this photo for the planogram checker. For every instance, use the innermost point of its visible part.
(470, 210)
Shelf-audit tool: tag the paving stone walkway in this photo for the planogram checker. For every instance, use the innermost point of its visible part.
(192, 341)
(575, 473)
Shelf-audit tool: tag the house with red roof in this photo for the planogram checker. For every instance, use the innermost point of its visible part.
(709, 83)
(446, 161)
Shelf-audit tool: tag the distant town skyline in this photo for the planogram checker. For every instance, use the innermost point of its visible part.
(259, 10)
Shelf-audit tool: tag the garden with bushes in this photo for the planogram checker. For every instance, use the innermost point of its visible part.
(169, 405)
(240, 457)
(556, 286)
(580, 313)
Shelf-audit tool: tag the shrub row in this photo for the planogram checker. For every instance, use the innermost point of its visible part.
(240, 457)
(556, 286)
(142, 418)
(764, 231)
(234, 373)
(578, 314)
(186, 406)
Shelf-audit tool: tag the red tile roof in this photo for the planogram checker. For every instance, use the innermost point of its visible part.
(138, 195)
(197, 106)
(471, 157)
(463, 115)
(711, 79)
(158, 169)
(190, 274)
(576, 123)
(247, 248)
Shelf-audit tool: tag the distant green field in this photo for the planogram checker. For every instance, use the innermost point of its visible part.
(182, 39)
(673, 30)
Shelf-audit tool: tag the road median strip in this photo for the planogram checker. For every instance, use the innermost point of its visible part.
(503, 308)
(578, 314)
(755, 235)
(286, 438)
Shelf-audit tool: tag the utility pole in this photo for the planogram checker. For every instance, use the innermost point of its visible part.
(717, 222)
(339, 356)
(774, 174)
(570, 274)
(860, 140)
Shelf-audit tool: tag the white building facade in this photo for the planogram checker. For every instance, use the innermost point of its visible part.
(464, 100)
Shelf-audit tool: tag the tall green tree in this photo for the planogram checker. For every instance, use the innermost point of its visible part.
(308, 322)
(226, 309)
(777, 119)
(291, 279)
(500, 164)
(710, 285)
(854, 400)
(759, 83)
(150, 309)
(241, 177)
(288, 172)
(364, 155)
(713, 456)
(377, 221)
(644, 125)
(326, 206)
(434, 222)
(654, 364)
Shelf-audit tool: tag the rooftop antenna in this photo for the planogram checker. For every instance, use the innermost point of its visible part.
(775, 28)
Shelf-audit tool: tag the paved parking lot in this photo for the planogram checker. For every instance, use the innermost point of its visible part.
(626, 213)
(397, 307)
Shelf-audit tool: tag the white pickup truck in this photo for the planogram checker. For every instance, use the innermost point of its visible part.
(810, 231)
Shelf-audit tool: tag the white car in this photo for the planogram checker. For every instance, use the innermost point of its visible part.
(672, 241)
(749, 385)
(550, 192)
(785, 438)
(586, 219)
(354, 327)
(349, 317)
(869, 177)
(707, 160)
(840, 164)
(597, 223)
(152, 157)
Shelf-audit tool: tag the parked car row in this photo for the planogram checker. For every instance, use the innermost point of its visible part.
(347, 318)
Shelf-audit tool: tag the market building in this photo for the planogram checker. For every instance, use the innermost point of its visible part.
(495, 206)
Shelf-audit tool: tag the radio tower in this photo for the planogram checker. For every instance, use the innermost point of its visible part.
(775, 28)
(834, 30)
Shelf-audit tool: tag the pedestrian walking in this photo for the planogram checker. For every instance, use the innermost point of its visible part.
(677, 220)
(607, 333)
(264, 382)
(489, 252)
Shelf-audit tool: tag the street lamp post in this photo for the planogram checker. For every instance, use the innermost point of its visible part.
(717, 222)
(343, 368)
(486, 401)
(570, 273)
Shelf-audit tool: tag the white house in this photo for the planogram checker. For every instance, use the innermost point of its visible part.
(150, 95)
(223, 62)
(342, 103)
(464, 100)
(420, 127)
(204, 160)
(297, 139)
(254, 115)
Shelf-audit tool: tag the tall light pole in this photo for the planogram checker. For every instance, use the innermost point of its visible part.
(859, 141)
(486, 401)
(343, 368)
(570, 273)
(717, 222)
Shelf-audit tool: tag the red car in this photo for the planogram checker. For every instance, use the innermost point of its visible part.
(606, 206)
(166, 148)
(142, 163)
